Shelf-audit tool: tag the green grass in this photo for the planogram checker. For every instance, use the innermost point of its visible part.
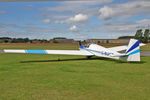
(42, 77)
(146, 48)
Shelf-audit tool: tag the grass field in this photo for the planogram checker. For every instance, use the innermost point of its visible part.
(42, 77)
(58, 46)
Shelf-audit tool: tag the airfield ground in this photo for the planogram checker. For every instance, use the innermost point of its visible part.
(42, 77)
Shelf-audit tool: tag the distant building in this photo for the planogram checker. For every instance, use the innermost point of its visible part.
(62, 40)
(107, 40)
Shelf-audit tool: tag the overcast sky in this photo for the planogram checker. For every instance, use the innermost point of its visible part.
(74, 19)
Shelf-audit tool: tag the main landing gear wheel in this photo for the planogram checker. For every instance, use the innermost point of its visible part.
(88, 57)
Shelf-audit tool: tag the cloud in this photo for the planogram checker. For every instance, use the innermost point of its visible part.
(144, 21)
(40, 30)
(13, 34)
(16, 31)
(73, 28)
(87, 7)
(114, 29)
(79, 18)
(124, 10)
(56, 16)
(47, 21)
(29, 29)
(75, 5)
(106, 13)
(144, 24)
(124, 27)
(16, 34)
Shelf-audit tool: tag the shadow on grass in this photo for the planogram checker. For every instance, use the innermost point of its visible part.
(78, 59)
(58, 60)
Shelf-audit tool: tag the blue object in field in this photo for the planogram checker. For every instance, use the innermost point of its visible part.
(36, 51)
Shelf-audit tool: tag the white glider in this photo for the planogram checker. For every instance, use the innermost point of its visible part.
(132, 51)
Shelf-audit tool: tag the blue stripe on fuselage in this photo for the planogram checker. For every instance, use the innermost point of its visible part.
(100, 52)
(36, 51)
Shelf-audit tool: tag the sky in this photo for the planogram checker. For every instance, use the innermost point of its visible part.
(79, 20)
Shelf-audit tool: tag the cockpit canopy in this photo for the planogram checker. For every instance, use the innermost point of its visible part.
(87, 45)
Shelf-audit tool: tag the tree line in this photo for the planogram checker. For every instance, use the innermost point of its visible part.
(19, 40)
(143, 36)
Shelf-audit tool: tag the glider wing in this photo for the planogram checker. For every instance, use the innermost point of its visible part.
(67, 52)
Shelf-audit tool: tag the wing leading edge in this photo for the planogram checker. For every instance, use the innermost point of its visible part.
(67, 52)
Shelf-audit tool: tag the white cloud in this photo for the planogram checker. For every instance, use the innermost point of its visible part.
(73, 28)
(47, 21)
(79, 18)
(88, 7)
(106, 12)
(124, 10)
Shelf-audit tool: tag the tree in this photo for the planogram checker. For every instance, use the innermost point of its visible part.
(146, 36)
(139, 35)
(26, 40)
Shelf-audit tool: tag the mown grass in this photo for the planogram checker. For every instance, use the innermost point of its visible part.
(42, 77)
(146, 47)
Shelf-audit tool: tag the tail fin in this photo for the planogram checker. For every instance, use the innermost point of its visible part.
(133, 50)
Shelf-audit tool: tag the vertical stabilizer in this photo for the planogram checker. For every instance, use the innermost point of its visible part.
(133, 50)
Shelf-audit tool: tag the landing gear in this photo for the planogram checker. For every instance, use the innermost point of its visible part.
(58, 58)
(88, 57)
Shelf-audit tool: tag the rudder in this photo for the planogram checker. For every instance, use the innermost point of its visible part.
(133, 50)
